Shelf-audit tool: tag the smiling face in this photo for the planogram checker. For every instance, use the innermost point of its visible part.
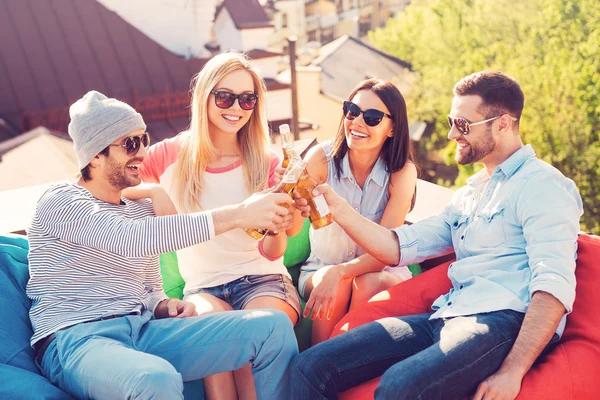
(360, 136)
(232, 119)
(120, 170)
(479, 144)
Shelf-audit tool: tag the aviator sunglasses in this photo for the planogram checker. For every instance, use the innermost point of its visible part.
(464, 126)
(247, 101)
(132, 143)
(372, 117)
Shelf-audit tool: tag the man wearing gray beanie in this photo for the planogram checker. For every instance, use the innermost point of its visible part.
(97, 121)
(103, 326)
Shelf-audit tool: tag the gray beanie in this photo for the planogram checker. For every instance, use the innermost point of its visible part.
(97, 121)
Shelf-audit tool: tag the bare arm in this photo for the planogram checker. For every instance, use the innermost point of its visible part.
(258, 211)
(377, 240)
(540, 323)
(161, 201)
(401, 190)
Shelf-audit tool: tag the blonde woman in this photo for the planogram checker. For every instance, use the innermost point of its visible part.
(221, 160)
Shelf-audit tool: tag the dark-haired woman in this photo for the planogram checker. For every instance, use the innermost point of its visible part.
(370, 164)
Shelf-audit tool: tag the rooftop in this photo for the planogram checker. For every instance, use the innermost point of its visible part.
(54, 51)
(246, 14)
(360, 61)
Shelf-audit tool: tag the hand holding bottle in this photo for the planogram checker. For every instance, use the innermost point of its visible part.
(268, 211)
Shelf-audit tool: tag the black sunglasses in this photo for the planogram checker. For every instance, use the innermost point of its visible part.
(372, 117)
(464, 126)
(247, 101)
(132, 143)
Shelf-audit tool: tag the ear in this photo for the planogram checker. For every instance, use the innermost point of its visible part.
(505, 123)
(95, 162)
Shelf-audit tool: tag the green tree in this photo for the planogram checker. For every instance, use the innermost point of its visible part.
(552, 47)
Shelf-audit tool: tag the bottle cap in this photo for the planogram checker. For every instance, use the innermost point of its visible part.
(284, 128)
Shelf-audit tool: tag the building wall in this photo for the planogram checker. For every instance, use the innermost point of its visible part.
(182, 27)
(279, 104)
(255, 38)
(316, 108)
(228, 36)
(267, 67)
(295, 26)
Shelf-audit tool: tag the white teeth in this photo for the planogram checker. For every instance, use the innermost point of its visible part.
(232, 117)
(358, 134)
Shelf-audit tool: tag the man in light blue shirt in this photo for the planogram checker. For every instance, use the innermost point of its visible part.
(513, 228)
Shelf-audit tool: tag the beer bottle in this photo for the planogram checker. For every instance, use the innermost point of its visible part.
(287, 185)
(320, 215)
(287, 144)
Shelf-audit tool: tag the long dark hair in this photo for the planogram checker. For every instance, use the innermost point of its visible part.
(397, 150)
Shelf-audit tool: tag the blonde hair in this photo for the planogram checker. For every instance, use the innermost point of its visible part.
(197, 147)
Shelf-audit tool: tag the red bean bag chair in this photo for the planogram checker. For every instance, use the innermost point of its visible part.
(568, 372)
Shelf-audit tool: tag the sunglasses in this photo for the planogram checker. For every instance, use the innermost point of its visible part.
(132, 144)
(372, 117)
(247, 101)
(464, 126)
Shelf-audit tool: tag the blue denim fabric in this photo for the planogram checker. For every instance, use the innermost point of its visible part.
(331, 245)
(419, 357)
(143, 358)
(514, 233)
(240, 292)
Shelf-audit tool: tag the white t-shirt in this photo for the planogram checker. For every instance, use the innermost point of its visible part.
(230, 255)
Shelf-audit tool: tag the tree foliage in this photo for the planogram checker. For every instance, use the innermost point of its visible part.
(552, 47)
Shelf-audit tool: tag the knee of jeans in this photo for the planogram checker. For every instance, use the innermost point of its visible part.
(158, 382)
(398, 383)
(274, 320)
(311, 366)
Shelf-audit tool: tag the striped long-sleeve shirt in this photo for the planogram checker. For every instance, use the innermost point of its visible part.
(89, 258)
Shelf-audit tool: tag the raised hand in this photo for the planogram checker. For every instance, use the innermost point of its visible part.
(265, 211)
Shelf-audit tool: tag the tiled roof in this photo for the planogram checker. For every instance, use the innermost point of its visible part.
(359, 60)
(54, 51)
(256, 54)
(246, 14)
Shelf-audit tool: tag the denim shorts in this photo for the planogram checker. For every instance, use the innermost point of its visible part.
(240, 292)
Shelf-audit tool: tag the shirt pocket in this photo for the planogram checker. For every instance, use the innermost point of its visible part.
(458, 224)
(375, 217)
(490, 228)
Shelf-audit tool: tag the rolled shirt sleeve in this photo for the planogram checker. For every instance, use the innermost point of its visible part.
(550, 227)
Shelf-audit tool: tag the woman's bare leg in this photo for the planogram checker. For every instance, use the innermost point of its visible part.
(368, 285)
(218, 386)
(322, 328)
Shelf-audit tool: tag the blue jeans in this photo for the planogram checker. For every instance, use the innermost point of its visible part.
(240, 292)
(418, 357)
(143, 358)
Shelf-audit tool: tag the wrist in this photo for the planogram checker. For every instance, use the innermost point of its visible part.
(271, 234)
(154, 189)
(340, 270)
(230, 217)
(158, 310)
(518, 371)
(343, 214)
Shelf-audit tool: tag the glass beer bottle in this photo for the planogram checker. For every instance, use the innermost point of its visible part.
(287, 185)
(320, 215)
(287, 145)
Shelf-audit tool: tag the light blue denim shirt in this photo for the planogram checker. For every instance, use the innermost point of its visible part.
(331, 245)
(514, 233)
